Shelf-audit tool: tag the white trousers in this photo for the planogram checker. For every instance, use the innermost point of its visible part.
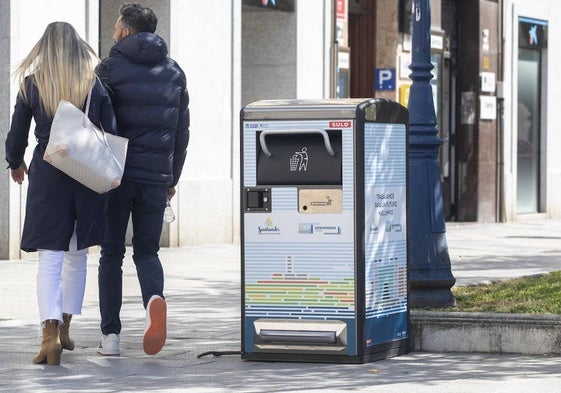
(61, 281)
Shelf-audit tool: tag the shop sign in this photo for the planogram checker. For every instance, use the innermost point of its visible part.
(532, 33)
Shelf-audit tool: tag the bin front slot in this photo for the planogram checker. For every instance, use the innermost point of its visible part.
(298, 336)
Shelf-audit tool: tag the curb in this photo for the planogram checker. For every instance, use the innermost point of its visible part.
(528, 334)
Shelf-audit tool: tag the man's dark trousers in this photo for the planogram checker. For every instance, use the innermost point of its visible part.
(146, 203)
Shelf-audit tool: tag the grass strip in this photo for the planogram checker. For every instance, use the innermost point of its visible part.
(526, 295)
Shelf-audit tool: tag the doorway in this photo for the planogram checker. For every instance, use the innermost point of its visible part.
(531, 55)
(447, 109)
(362, 35)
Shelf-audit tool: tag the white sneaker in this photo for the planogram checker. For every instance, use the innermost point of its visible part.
(109, 345)
(155, 333)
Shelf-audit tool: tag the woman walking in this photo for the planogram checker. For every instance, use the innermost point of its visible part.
(62, 217)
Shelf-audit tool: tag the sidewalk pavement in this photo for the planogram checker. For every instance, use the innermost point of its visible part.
(203, 295)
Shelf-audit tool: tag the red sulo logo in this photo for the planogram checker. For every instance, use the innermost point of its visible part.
(340, 124)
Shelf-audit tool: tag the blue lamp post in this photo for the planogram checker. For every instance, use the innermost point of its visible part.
(430, 272)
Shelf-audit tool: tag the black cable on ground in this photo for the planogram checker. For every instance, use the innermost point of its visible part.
(218, 353)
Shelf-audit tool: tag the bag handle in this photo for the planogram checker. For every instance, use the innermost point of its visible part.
(88, 100)
(87, 120)
(87, 110)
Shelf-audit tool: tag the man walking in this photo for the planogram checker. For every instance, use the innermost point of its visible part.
(150, 98)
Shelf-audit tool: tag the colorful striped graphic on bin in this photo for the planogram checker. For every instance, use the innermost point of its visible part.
(295, 285)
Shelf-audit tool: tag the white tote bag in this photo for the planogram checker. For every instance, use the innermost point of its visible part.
(82, 151)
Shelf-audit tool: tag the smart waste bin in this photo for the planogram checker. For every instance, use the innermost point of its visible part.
(324, 230)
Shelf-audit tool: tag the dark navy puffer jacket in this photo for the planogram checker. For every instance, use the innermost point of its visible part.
(150, 99)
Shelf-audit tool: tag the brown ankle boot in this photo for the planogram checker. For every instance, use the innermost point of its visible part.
(50, 347)
(65, 340)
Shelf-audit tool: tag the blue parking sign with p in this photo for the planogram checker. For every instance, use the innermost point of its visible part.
(385, 79)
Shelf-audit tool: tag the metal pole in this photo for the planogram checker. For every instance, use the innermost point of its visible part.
(430, 272)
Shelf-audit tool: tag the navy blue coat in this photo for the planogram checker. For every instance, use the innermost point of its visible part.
(150, 99)
(55, 201)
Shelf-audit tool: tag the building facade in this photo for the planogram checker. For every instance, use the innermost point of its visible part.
(495, 90)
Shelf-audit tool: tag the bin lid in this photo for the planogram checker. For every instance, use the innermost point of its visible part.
(331, 108)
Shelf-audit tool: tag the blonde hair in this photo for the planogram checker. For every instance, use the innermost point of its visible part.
(61, 65)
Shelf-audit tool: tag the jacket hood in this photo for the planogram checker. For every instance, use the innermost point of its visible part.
(145, 48)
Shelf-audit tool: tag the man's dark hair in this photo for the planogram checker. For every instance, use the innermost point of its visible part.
(138, 18)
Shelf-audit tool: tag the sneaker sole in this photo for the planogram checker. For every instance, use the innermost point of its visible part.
(155, 335)
(112, 353)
